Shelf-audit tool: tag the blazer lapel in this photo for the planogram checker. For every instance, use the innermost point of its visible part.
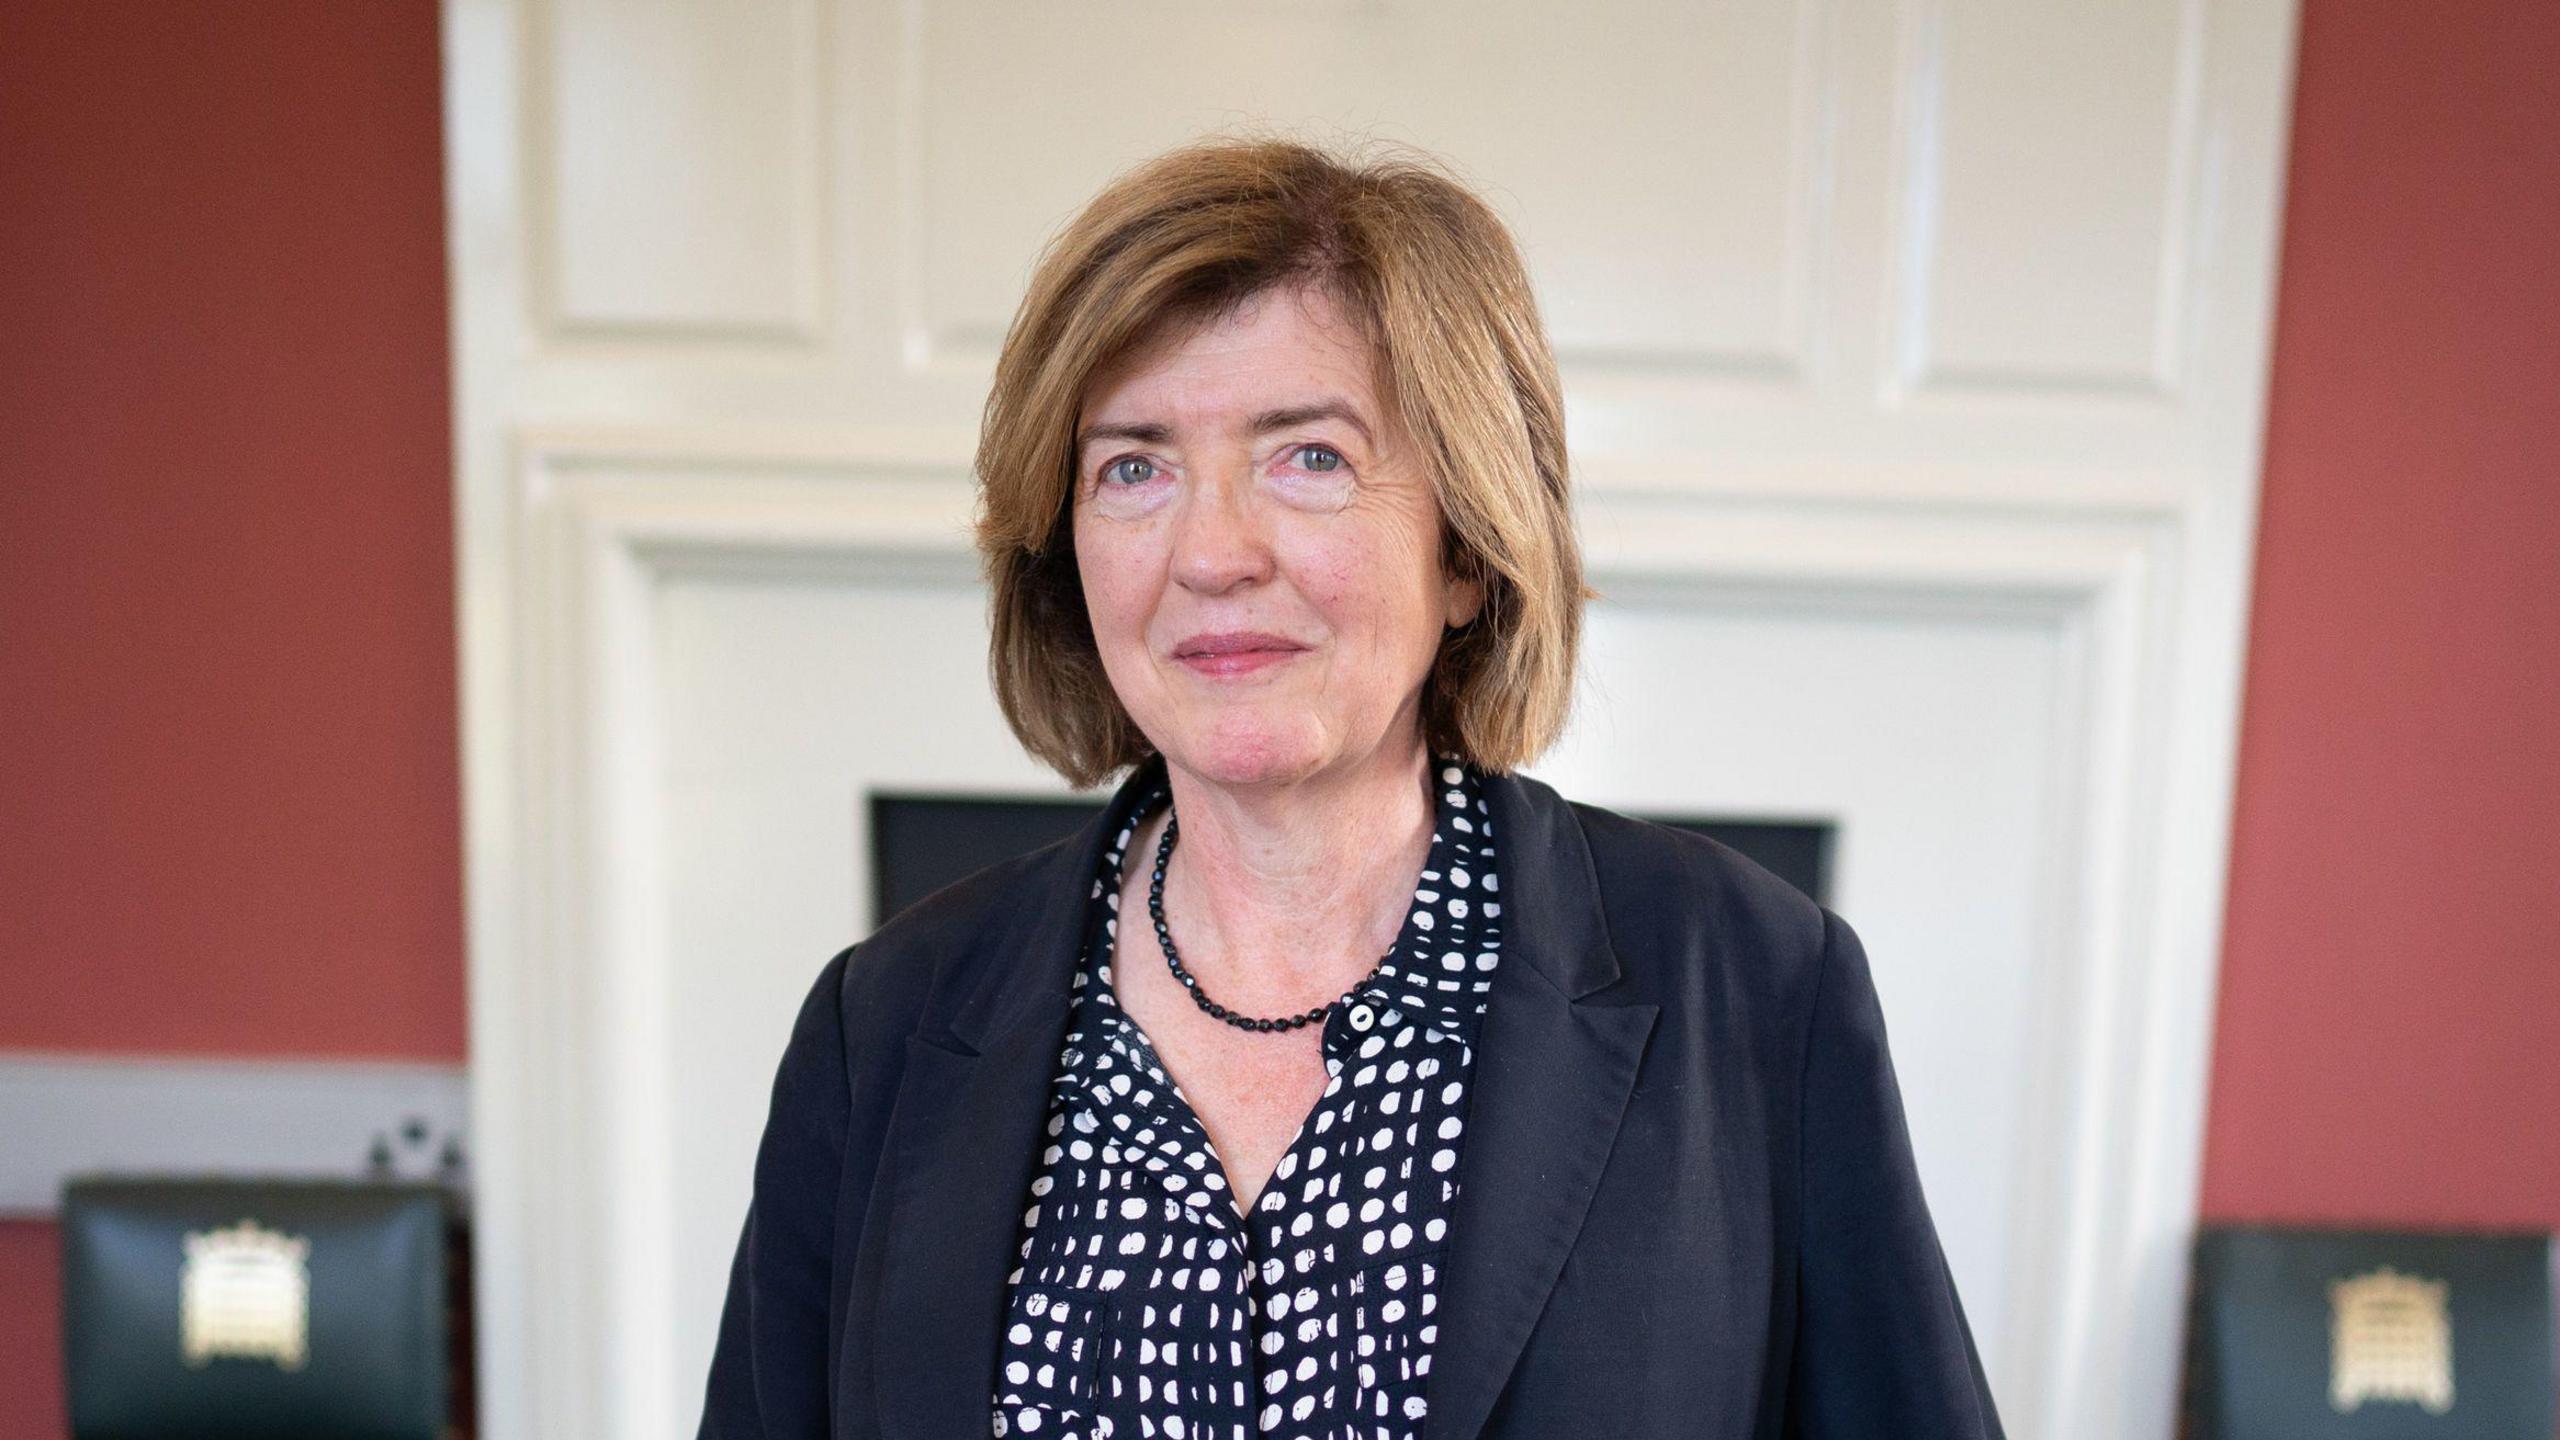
(1552, 1076)
(968, 1134)
(964, 1143)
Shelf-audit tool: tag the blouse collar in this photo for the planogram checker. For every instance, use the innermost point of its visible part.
(1439, 969)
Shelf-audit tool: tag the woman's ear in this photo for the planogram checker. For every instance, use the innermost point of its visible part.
(1466, 600)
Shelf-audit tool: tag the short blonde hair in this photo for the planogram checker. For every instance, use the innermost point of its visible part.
(1431, 276)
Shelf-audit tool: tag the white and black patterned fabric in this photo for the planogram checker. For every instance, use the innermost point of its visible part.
(1146, 1305)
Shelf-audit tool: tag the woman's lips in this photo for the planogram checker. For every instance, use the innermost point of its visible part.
(1237, 662)
(1235, 652)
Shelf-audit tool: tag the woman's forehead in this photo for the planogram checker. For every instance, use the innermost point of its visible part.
(1274, 351)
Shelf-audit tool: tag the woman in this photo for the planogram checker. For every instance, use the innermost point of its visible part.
(1423, 1102)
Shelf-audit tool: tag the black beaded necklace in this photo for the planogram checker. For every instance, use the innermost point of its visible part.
(1164, 939)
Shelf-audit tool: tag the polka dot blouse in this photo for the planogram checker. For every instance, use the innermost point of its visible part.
(1148, 1304)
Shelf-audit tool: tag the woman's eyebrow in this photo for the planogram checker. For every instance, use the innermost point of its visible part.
(1294, 415)
(1153, 432)
(1144, 432)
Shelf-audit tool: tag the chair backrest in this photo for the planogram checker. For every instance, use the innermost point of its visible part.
(2305, 1333)
(281, 1309)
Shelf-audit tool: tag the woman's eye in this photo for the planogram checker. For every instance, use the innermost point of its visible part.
(1320, 458)
(1129, 470)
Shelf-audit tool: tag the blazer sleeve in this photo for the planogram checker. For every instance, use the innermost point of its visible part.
(769, 1371)
(1881, 1345)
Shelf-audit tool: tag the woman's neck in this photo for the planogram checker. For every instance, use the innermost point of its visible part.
(1280, 896)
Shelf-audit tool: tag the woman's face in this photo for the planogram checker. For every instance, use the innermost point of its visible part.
(1259, 546)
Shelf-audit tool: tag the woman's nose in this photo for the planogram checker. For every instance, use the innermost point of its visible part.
(1219, 540)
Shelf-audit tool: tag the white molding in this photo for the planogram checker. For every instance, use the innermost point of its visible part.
(490, 336)
(69, 1115)
(1782, 365)
(804, 171)
(946, 455)
(1916, 378)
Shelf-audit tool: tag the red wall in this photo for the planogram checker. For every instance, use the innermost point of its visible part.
(230, 781)
(233, 814)
(231, 788)
(2389, 1041)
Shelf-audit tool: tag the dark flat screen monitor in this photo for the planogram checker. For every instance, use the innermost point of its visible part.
(921, 842)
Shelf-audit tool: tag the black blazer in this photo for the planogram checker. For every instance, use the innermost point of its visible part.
(1687, 1205)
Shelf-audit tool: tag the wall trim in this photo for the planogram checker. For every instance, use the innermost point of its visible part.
(68, 1114)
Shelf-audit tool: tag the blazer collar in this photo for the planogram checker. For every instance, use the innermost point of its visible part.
(1552, 912)
(1026, 972)
(1554, 1068)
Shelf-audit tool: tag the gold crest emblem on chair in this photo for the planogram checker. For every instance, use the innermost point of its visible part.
(245, 1293)
(2391, 1338)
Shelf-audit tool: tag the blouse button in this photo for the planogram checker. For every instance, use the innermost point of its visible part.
(1362, 1017)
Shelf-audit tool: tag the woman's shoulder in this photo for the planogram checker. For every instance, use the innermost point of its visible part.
(1684, 908)
(1700, 875)
(890, 979)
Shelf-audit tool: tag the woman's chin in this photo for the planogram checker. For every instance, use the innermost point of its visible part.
(1252, 750)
